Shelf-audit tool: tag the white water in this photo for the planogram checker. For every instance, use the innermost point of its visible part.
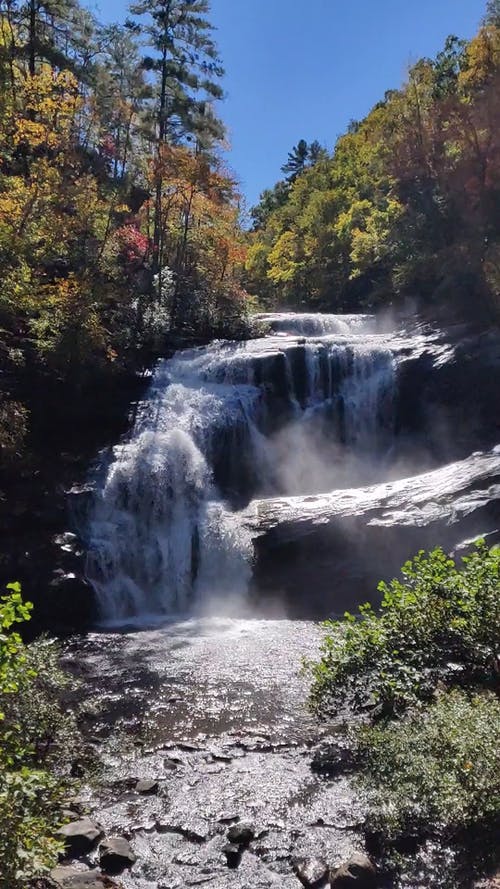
(315, 324)
(269, 416)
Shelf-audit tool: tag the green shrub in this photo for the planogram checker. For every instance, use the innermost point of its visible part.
(37, 740)
(439, 625)
(436, 771)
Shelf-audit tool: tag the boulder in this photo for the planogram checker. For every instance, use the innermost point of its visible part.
(311, 872)
(241, 834)
(115, 855)
(359, 871)
(80, 837)
(71, 878)
(147, 787)
(233, 855)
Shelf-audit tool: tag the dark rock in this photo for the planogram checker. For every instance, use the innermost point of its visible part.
(115, 854)
(377, 843)
(170, 764)
(490, 882)
(147, 787)
(311, 872)
(358, 871)
(332, 760)
(194, 830)
(71, 878)
(233, 855)
(241, 834)
(72, 599)
(77, 769)
(80, 837)
(228, 818)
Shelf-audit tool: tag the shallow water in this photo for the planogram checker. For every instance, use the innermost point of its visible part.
(214, 710)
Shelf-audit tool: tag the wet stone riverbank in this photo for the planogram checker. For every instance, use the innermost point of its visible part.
(201, 730)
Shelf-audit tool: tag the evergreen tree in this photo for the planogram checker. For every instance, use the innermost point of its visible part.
(186, 66)
(270, 200)
(297, 161)
(493, 13)
(44, 30)
(316, 153)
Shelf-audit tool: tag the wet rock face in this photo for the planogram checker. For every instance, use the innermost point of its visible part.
(147, 787)
(446, 406)
(333, 759)
(338, 546)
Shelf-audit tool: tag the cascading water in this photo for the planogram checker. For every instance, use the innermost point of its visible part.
(219, 425)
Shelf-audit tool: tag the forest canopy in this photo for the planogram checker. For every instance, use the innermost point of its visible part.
(408, 203)
(121, 230)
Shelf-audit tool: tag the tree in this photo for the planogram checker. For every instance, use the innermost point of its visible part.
(186, 65)
(448, 65)
(45, 30)
(270, 200)
(297, 161)
(316, 152)
(492, 16)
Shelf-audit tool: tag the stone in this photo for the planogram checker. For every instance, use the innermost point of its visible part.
(115, 855)
(233, 855)
(359, 871)
(311, 872)
(241, 834)
(71, 878)
(80, 837)
(332, 760)
(147, 787)
(170, 764)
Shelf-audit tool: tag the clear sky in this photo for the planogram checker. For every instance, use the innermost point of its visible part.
(303, 68)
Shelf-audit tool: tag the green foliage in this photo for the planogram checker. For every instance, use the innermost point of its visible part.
(439, 624)
(37, 742)
(407, 203)
(119, 226)
(437, 771)
(13, 430)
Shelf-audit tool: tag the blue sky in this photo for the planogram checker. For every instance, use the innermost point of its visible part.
(304, 69)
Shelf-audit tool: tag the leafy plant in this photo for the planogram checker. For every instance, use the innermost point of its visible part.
(37, 742)
(440, 624)
(437, 770)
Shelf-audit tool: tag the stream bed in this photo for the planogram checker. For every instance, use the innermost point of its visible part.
(213, 711)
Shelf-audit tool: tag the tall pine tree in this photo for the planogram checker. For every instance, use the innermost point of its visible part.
(186, 67)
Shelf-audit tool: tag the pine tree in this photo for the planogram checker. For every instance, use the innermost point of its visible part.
(316, 153)
(493, 13)
(297, 161)
(45, 30)
(187, 66)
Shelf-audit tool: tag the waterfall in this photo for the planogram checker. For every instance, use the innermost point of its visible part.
(315, 324)
(219, 425)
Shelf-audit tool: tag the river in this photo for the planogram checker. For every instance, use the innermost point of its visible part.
(259, 481)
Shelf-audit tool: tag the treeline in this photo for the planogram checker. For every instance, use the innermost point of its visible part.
(407, 204)
(119, 225)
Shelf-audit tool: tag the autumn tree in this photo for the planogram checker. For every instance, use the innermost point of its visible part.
(186, 67)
